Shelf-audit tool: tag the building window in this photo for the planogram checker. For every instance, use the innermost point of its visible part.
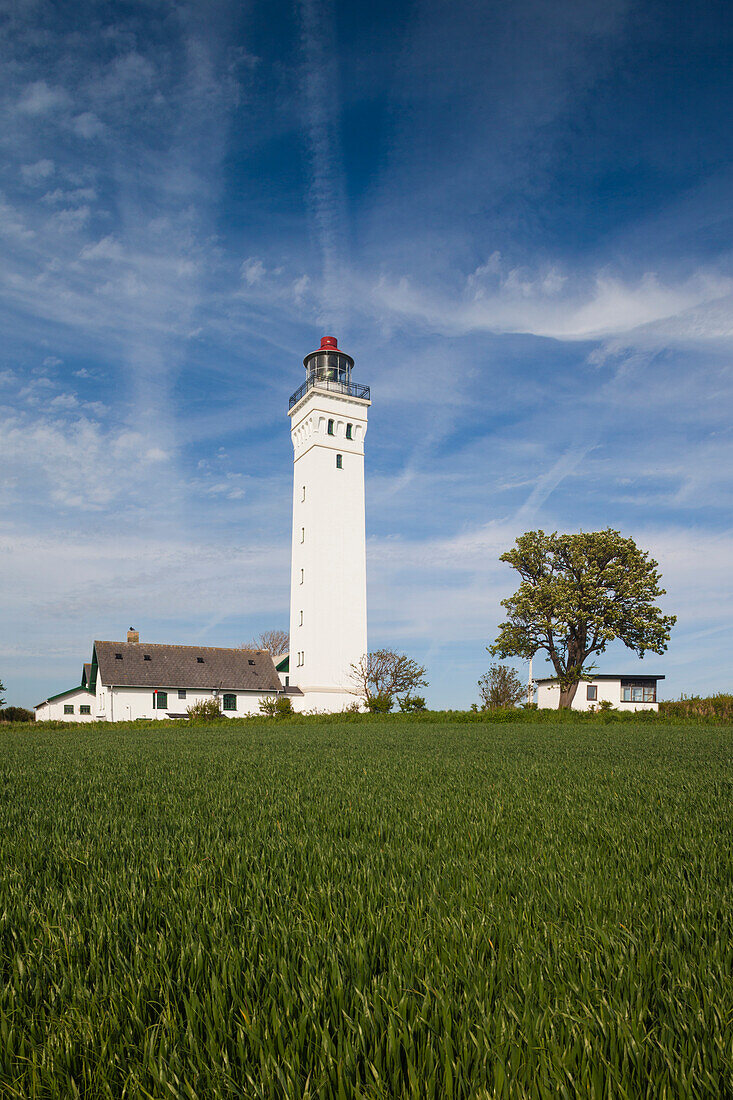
(302, 575)
(330, 427)
(250, 662)
(287, 681)
(349, 429)
(339, 462)
(301, 619)
(229, 701)
(68, 708)
(303, 494)
(302, 534)
(146, 656)
(200, 660)
(118, 656)
(83, 709)
(591, 693)
(638, 693)
(181, 693)
(160, 700)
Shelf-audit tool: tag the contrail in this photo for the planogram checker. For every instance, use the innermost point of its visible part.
(326, 192)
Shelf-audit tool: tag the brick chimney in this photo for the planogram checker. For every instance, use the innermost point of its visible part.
(133, 636)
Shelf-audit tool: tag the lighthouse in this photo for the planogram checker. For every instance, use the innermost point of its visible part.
(328, 615)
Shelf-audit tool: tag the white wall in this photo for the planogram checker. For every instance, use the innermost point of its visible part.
(328, 613)
(126, 704)
(55, 709)
(548, 696)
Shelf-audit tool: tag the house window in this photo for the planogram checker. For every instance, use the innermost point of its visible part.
(146, 656)
(339, 462)
(200, 660)
(639, 693)
(160, 700)
(287, 681)
(591, 693)
(349, 428)
(118, 656)
(68, 708)
(330, 427)
(83, 709)
(229, 701)
(181, 693)
(250, 662)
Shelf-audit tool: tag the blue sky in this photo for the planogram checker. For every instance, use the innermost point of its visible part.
(515, 216)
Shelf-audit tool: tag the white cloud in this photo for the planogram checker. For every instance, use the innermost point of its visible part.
(253, 271)
(40, 99)
(34, 173)
(87, 125)
(549, 304)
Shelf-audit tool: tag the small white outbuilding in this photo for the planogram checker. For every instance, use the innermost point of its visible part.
(623, 692)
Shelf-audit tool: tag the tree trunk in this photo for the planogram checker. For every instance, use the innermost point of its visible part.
(567, 695)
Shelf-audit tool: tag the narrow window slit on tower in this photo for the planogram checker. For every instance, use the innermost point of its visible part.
(330, 427)
(349, 431)
(339, 462)
(302, 534)
(303, 496)
(301, 619)
(302, 575)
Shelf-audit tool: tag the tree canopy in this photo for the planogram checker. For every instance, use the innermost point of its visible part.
(2, 688)
(276, 642)
(500, 687)
(578, 593)
(384, 674)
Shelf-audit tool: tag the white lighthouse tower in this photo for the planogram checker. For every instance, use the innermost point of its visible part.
(328, 618)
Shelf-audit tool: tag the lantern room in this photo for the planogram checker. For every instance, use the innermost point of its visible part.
(328, 364)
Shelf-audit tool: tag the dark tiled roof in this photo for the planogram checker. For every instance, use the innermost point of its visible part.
(178, 666)
(86, 674)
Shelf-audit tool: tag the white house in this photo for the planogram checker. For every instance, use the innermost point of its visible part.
(630, 692)
(74, 705)
(328, 614)
(128, 680)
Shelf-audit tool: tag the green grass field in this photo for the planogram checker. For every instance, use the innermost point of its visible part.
(374, 907)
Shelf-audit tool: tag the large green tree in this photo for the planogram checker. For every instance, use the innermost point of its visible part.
(578, 593)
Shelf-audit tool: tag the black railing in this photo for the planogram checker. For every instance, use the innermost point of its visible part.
(352, 389)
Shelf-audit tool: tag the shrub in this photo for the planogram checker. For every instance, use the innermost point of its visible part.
(279, 706)
(17, 714)
(205, 710)
(380, 703)
(695, 706)
(409, 704)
